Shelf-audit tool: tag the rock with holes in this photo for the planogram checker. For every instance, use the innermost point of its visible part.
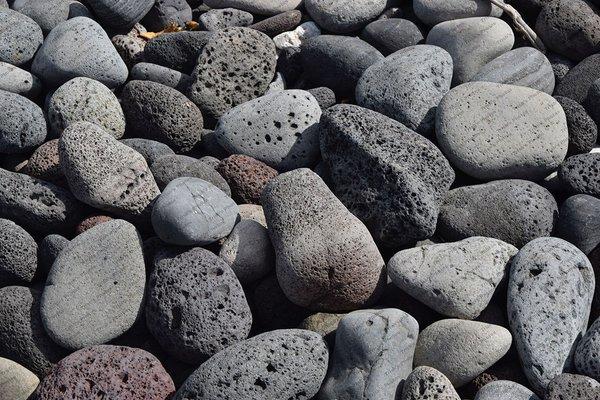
(560, 65)
(571, 386)
(116, 372)
(16, 80)
(105, 173)
(22, 124)
(279, 129)
(102, 272)
(191, 211)
(217, 19)
(583, 131)
(579, 220)
(176, 50)
(151, 150)
(578, 83)
(408, 85)
(426, 383)
(281, 364)
(165, 12)
(261, 7)
(246, 176)
(18, 254)
(173, 166)
(550, 292)
(432, 12)
(120, 14)
(505, 390)
(236, 66)
(49, 13)
(455, 279)
(195, 305)
(90, 222)
(44, 164)
(373, 355)
(390, 177)
(587, 355)
(392, 34)
(84, 99)
(339, 16)
(326, 259)
(157, 73)
(579, 174)
(131, 46)
(21, 37)
(48, 249)
(16, 381)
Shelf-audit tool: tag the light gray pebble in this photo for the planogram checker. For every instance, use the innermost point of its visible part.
(49, 13)
(426, 383)
(505, 390)
(151, 150)
(159, 74)
(22, 124)
(217, 19)
(16, 80)
(21, 37)
(18, 254)
(340, 16)
(261, 7)
(432, 12)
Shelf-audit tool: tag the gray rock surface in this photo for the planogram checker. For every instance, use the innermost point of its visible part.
(131, 46)
(151, 150)
(16, 80)
(583, 131)
(340, 16)
(592, 100)
(217, 19)
(571, 386)
(159, 74)
(548, 319)
(505, 390)
(120, 14)
(173, 166)
(165, 12)
(49, 13)
(176, 50)
(392, 34)
(560, 65)
(18, 254)
(578, 222)
(16, 381)
(21, 37)
(22, 124)
(48, 249)
(578, 174)
(426, 383)
(261, 7)
(579, 81)
(432, 12)
(280, 23)
(587, 355)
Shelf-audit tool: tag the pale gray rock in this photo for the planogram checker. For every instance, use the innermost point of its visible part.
(505, 390)
(426, 383)
(217, 19)
(16, 80)
(587, 355)
(16, 381)
(120, 14)
(21, 37)
(49, 13)
(151, 150)
(341, 16)
(18, 254)
(261, 7)
(22, 124)
(432, 12)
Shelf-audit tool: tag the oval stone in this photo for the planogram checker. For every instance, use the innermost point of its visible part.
(22, 124)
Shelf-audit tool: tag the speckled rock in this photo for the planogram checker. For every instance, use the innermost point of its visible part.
(165, 12)
(365, 152)
(505, 390)
(407, 86)
(578, 81)
(18, 254)
(426, 383)
(579, 174)
(16, 381)
(84, 99)
(246, 176)
(587, 355)
(218, 19)
(44, 164)
(116, 372)
(22, 124)
(392, 34)
(282, 364)
(159, 74)
(541, 312)
(151, 150)
(570, 386)
(325, 324)
(324, 96)
(578, 222)
(21, 37)
(339, 16)
(253, 212)
(279, 23)
(177, 50)
(90, 222)
(312, 232)
(261, 7)
(378, 343)
(131, 45)
(120, 14)
(431, 12)
(48, 249)
(172, 166)
(560, 65)
(49, 13)
(583, 131)
(16, 80)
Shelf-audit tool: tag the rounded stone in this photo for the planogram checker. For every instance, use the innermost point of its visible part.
(176, 50)
(18, 254)
(587, 354)
(218, 19)
(571, 386)
(171, 167)
(151, 150)
(282, 364)
(191, 212)
(326, 259)
(22, 124)
(120, 14)
(21, 37)
(560, 65)
(165, 12)
(505, 390)
(246, 176)
(407, 86)
(49, 13)
(87, 100)
(116, 372)
(583, 131)
(324, 96)
(496, 131)
(325, 324)
(161, 113)
(279, 129)
(426, 383)
(392, 34)
(44, 164)
(102, 272)
(16, 80)
(541, 313)
(131, 45)
(17, 383)
(279, 23)
(196, 306)
(159, 74)
(578, 82)
(432, 13)
(579, 222)
(339, 16)
(90, 222)
(579, 174)
(48, 249)
(261, 7)
(253, 212)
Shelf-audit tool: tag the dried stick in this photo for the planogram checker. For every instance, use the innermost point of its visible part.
(521, 25)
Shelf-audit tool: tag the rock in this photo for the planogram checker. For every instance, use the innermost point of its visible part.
(579, 80)
(279, 129)
(90, 222)
(165, 12)
(191, 212)
(21, 37)
(261, 7)
(250, 60)
(337, 62)
(560, 65)
(326, 259)
(324, 96)
(471, 128)
(22, 335)
(579, 216)
(461, 349)
(49, 248)
(505, 390)
(117, 372)
(171, 167)
(407, 86)
(44, 164)
(339, 16)
(541, 312)
(387, 175)
(104, 173)
(22, 124)
(325, 324)
(218, 19)
(487, 38)
(514, 211)
(455, 279)
(36, 205)
(587, 355)
(525, 66)
(159, 74)
(578, 174)
(151, 150)
(61, 57)
(102, 272)
(248, 251)
(84, 99)
(19, 81)
(272, 309)
(583, 131)
(49, 13)
(294, 39)
(17, 382)
(279, 23)
(570, 386)
(432, 13)
(131, 46)
(120, 14)
(177, 50)
(246, 176)
(426, 383)
(373, 355)
(18, 254)
(570, 28)
(392, 34)
(253, 212)
(282, 364)
(196, 306)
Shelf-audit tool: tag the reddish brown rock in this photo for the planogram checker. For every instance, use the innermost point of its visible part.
(90, 222)
(246, 176)
(44, 164)
(111, 372)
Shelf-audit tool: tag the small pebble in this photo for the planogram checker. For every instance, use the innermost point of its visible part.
(159, 74)
(279, 23)
(339, 16)
(22, 124)
(505, 390)
(18, 254)
(577, 222)
(392, 34)
(21, 37)
(218, 19)
(16, 80)
(426, 383)
(120, 14)
(17, 383)
(246, 176)
(261, 7)
(177, 50)
(432, 12)
(49, 13)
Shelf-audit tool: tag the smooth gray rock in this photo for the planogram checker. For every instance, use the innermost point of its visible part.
(455, 279)
(432, 12)
(191, 212)
(280, 23)
(104, 173)
(173, 166)
(279, 129)
(49, 13)
(579, 174)
(587, 355)
(21, 37)
(66, 54)
(579, 220)
(261, 7)
(196, 307)
(18, 254)
(461, 349)
(472, 43)
(525, 66)
(217, 19)
(120, 14)
(505, 390)
(326, 259)
(17, 382)
(392, 34)
(95, 289)
(87, 100)
(16, 80)
(151, 150)
(176, 50)
(407, 86)
(48, 249)
(550, 292)
(22, 124)
(496, 131)
(281, 364)
(159, 74)
(373, 355)
(426, 383)
(165, 12)
(340, 16)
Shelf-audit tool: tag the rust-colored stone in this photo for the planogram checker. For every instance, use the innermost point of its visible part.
(246, 176)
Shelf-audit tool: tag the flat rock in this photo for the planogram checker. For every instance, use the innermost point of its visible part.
(173, 166)
(431, 12)
(426, 383)
(49, 13)
(461, 349)
(151, 150)
(583, 131)
(282, 364)
(487, 38)
(120, 14)
(18, 254)
(246, 176)
(587, 355)
(408, 85)
(578, 174)
(217, 19)
(16, 80)
(540, 312)
(577, 83)
(496, 131)
(505, 390)
(279, 23)
(17, 382)
(570, 386)
(21, 37)
(261, 7)
(159, 74)
(392, 34)
(378, 343)
(22, 124)
(340, 16)
(578, 221)
(326, 259)
(387, 175)
(165, 12)
(177, 50)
